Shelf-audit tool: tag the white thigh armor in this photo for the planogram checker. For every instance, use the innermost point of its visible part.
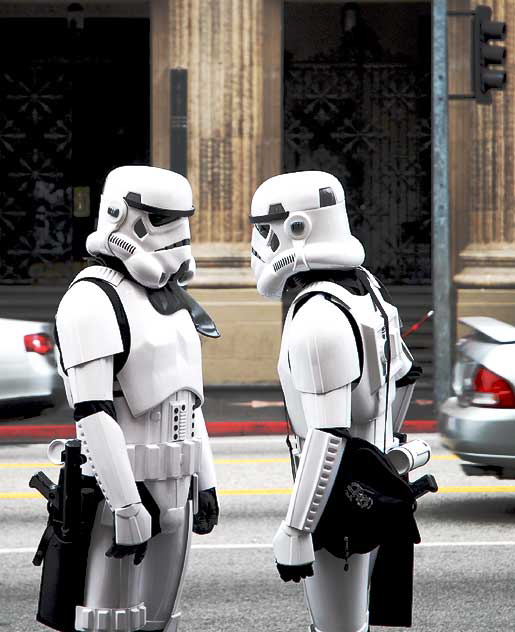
(158, 439)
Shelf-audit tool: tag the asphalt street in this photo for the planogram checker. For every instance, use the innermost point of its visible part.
(465, 566)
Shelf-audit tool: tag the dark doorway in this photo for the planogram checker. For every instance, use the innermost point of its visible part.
(357, 103)
(74, 103)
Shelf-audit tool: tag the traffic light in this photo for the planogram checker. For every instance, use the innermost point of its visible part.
(484, 54)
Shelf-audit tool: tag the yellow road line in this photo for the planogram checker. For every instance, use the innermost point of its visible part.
(27, 465)
(254, 492)
(249, 461)
(439, 457)
(507, 489)
(10, 495)
(217, 462)
(444, 457)
(476, 489)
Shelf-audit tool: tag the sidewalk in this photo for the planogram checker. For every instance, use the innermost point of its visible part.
(229, 411)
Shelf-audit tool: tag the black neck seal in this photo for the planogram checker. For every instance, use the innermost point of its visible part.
(168, 299)
(172, 297)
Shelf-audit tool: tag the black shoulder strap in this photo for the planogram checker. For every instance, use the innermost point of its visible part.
(120, 358)
(343, 308)
(388, 352)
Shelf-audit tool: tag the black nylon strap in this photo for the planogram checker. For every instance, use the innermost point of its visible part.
(84, 409)
(151, 506)
(119, 358)
(345, 310)
(377, 303)
(56, 338)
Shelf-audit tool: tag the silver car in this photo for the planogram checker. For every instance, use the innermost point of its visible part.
(478, 424)
(28, 370)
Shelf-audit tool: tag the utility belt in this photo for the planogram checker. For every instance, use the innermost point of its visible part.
(63, 549)
(159, 461)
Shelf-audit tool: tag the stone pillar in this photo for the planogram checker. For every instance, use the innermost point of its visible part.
(460, 124)
(232, 51)
(225, 46)
(486, 274)
(489, 257)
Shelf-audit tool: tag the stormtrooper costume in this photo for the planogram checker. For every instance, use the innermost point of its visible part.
(130, 359)
(342, 366)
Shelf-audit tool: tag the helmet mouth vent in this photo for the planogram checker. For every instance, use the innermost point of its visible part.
(121, 243)
(285, 261)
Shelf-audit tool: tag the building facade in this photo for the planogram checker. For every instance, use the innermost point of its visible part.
(233, 92)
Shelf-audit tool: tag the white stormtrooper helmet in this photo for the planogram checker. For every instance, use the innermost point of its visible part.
(143, 221)
(300, 223)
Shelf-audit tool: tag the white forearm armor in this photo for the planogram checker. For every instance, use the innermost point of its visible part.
(319, 463)
(320, 460)
(103, 444)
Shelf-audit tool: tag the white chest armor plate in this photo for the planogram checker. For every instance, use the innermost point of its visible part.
(165, 353)
(369, 393)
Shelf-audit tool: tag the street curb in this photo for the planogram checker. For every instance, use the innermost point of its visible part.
(28, 432)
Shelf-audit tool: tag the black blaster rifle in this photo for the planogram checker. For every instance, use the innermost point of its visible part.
(63, 548)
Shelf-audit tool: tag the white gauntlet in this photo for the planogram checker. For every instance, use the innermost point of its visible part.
(293, 547)
(132, 525)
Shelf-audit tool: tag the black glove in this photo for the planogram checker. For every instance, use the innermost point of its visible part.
(121, 550)
(295, 573)
(207, 516)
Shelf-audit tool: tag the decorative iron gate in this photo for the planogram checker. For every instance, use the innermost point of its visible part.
(35, 154)
(369, 124)
(61, 87)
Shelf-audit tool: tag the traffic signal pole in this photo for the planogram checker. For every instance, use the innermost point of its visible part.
(441, 252)
(484, 79)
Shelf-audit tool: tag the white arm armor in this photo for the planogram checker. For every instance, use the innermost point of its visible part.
(105, 448)
(324, 361)
(86, 325)
(206, 475)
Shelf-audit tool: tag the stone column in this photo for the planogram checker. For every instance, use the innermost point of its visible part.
(489, 257)
(226, 47)
(486, 267)
(232, 51)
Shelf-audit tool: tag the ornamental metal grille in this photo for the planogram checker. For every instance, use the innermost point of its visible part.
(369, 124)
(35, 153)
(62, 87)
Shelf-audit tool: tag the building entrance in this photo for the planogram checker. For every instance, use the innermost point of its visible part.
(74, 103)
(357, 103)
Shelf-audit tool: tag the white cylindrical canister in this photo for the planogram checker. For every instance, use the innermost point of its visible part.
(410, 455)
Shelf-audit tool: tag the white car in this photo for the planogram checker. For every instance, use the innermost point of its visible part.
(478, 423)
(28, 369)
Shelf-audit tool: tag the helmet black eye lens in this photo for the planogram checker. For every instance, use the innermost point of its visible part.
(263, 229)
(274, 243)
(160, 220)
